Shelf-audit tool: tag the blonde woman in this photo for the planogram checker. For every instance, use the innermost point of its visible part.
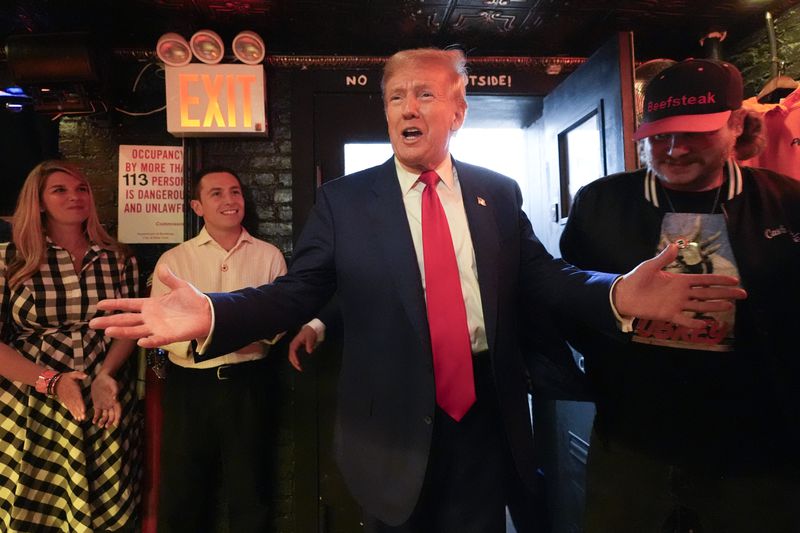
(69, 453)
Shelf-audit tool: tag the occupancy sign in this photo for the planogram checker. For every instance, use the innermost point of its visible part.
(150, 194)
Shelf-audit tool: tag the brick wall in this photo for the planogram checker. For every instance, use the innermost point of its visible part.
(265, 168)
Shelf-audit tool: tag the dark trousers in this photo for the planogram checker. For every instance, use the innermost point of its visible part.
(527, 506)
(631, 492)
(465, 485)
(215, 449)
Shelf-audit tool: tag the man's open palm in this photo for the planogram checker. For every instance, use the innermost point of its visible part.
(182, 314)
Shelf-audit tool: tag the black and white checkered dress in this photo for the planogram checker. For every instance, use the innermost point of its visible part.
(57, 474)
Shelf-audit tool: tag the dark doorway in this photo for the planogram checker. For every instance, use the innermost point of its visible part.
(327, 114)
(591, 111)
(334, 114)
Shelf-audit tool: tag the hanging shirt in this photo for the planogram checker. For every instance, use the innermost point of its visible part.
(782, 125)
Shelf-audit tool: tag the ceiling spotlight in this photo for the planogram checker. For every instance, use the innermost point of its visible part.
(173, 50)
(207, 46)
(249, 48)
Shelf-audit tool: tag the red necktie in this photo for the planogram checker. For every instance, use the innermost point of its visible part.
(447, 315)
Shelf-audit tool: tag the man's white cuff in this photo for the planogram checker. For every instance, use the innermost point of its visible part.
(201, 342)
(625, 324)
(319, 328)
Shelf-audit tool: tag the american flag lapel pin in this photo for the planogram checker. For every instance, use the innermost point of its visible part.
(481, 201)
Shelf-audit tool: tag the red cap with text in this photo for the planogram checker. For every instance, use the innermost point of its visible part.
(695, 95)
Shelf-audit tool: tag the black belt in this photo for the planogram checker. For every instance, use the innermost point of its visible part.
(221, 372)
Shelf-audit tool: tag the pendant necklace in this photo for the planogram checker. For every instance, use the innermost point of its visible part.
(684, 242)
(713, 206)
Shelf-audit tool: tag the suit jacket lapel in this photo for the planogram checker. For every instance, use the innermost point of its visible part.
(390, 228)
(480, 208)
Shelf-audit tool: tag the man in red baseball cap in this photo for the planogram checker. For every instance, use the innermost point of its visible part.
(696, 95)
(696, 429)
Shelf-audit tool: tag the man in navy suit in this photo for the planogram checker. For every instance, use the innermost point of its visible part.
(412, 466)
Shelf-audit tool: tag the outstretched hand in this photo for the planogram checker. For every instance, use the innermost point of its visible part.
(182, 314)
(649, 292)
(306, 338)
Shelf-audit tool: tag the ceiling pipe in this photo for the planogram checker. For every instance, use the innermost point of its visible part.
(712, 44)
(562, 64)
(303, 62)
(776, 65)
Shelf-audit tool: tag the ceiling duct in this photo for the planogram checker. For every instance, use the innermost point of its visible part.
(51, 58)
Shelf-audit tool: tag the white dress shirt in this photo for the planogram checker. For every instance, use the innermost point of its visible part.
(449, 191)
(208, 266)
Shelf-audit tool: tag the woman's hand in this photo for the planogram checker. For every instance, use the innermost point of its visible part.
(68, 392)
(107, 409)
(105, 418)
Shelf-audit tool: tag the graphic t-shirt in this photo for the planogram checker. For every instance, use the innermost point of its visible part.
(704, 249)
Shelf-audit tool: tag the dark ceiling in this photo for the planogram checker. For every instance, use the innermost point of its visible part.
(662, 28)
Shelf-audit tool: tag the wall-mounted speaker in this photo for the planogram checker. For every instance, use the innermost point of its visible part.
(51, 58)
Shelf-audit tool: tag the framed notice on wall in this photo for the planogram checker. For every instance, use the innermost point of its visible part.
(150, 194)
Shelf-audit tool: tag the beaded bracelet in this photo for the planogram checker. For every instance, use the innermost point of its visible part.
(44, 380)
(51, 385)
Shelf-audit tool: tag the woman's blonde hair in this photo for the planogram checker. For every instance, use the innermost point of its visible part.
(28, 233)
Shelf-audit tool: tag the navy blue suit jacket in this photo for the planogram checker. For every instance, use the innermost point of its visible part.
(357, 242)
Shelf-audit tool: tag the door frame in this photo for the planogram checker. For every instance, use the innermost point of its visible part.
(306, 177)
(604, 86)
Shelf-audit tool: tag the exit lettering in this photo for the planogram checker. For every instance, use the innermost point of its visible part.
(205, 100)
(212, 88)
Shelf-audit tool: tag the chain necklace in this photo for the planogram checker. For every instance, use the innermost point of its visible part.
(713, 206)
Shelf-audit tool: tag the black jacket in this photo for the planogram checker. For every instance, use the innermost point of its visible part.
(724, 410)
